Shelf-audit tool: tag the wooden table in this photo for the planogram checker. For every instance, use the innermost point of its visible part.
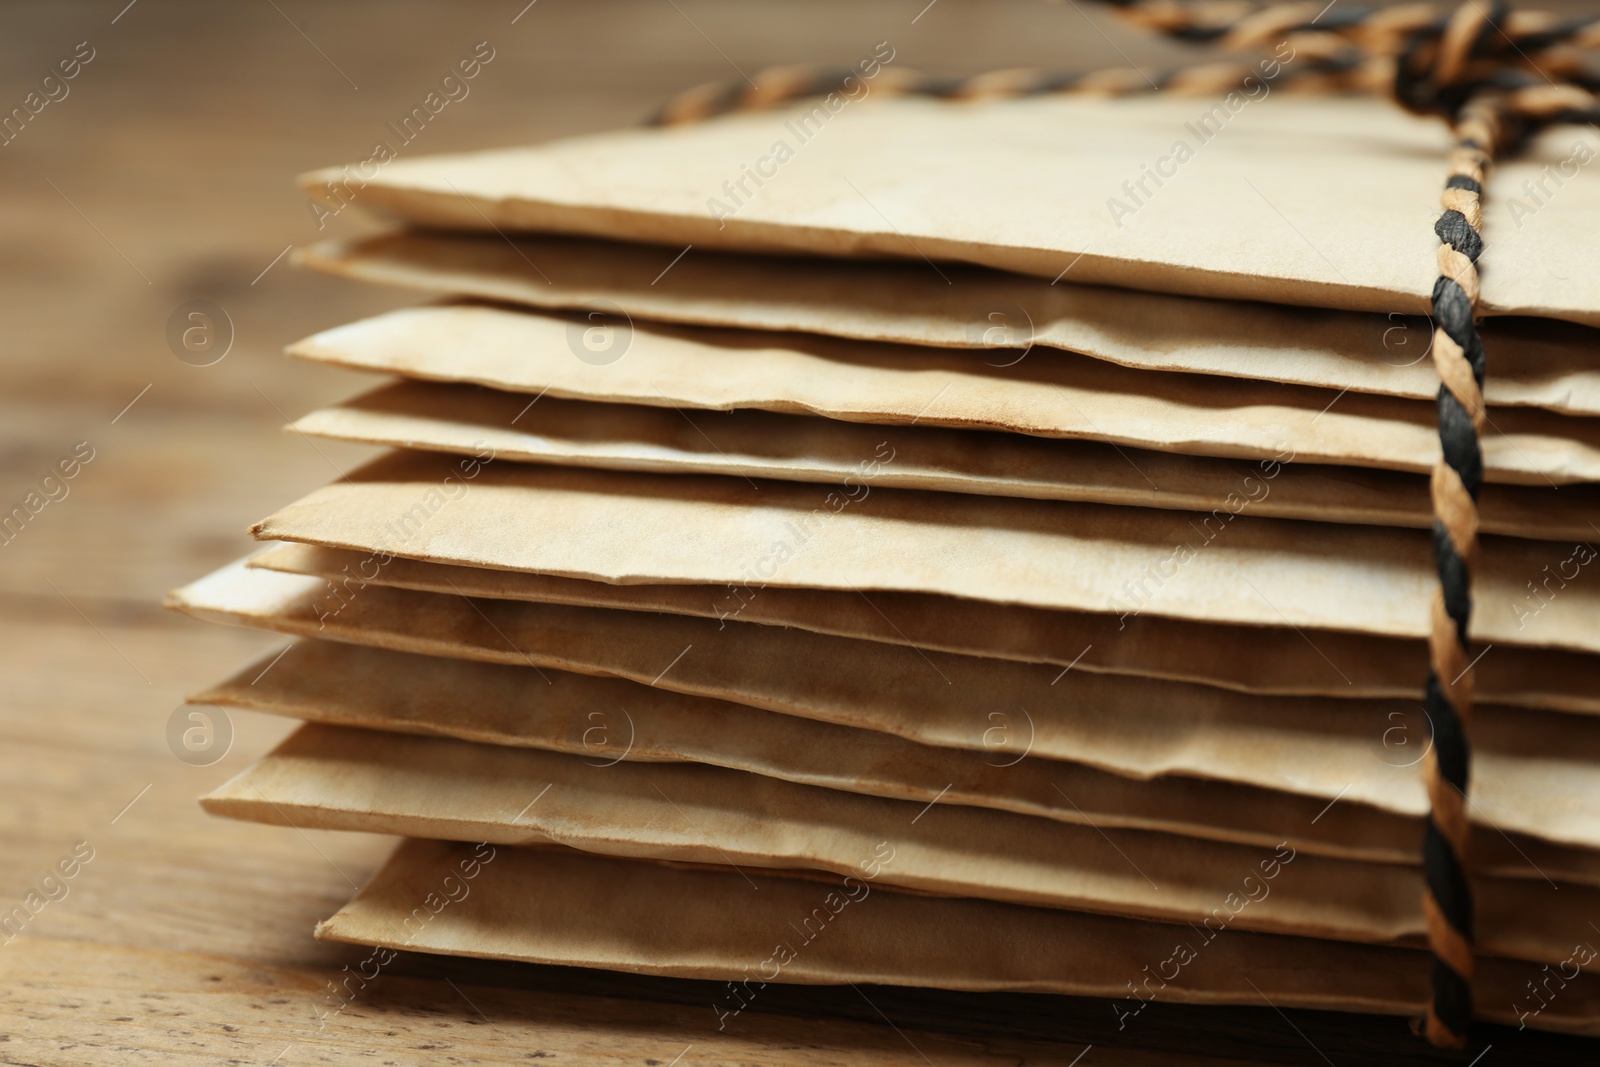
(164, 176)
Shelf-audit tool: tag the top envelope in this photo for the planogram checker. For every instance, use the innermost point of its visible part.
(1318, 202)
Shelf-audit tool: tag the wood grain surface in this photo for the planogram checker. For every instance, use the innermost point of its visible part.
(164, 176)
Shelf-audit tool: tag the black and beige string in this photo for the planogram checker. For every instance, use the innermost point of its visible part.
(1496, 76)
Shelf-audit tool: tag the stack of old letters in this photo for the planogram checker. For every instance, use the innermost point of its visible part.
(975, 546)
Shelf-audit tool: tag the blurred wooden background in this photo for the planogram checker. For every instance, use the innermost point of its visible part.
(164, 176)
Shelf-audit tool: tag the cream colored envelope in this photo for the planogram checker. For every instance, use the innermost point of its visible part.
(606, 720)
(1537, 362)
(1047, 394)
(631, 528)
(758, 444)
(1243, 658)
(1534, 772)
(563, 907)
(1319, 202)
(333, 778)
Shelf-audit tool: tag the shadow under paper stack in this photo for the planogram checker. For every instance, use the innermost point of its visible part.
(905, 573)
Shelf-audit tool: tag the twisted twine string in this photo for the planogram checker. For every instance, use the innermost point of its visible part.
(1457, 477)
(1496, 76)
(1537, 58)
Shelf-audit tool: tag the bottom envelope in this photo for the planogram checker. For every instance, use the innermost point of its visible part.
(562, 907)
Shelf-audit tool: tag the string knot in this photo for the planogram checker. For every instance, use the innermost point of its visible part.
(1444, 64)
